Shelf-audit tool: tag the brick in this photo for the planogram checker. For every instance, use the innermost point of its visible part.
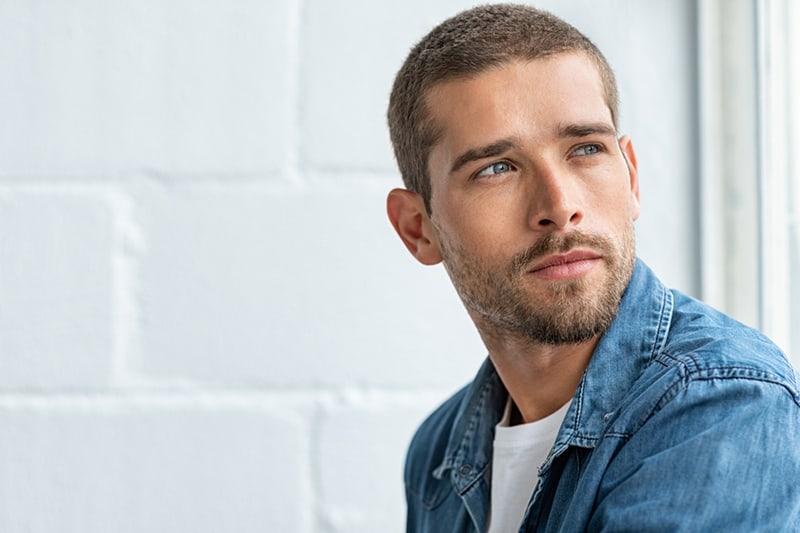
(153, 467)
(306, 287)
(56, 289)
(362, 449)
(176, 87)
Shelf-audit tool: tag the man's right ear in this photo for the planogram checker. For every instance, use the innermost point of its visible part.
(410, 220)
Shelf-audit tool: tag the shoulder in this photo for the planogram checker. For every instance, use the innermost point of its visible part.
(709, 345)
(710, 368)
(427, 450)
(716, 408)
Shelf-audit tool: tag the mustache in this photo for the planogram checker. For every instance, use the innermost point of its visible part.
(559, 244)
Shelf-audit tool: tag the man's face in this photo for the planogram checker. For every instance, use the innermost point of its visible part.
(533, 203)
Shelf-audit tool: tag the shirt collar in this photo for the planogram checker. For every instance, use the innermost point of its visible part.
(635, 337)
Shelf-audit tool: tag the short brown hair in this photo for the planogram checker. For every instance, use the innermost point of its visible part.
(465, 45)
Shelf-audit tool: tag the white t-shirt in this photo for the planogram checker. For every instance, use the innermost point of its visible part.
(518, 453)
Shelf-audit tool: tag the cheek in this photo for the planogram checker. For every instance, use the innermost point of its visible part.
(483, 233)
(634, 206)
(617, 202)
(472, 240)
(628, 205)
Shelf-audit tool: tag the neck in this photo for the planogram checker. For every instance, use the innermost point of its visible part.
(540, 378)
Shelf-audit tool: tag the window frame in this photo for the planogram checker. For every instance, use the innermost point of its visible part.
(749, 187)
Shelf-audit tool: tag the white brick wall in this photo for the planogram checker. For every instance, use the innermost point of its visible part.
(206, 322)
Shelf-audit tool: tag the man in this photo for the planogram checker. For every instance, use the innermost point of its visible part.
(607, 402)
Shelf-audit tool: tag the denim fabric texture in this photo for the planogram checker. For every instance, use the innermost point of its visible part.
(685, 420)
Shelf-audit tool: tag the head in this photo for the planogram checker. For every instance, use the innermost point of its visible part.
(516, 178)
(472, 42)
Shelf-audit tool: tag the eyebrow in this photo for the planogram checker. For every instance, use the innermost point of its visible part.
(499, 147)
(474, 154)
(584, 130)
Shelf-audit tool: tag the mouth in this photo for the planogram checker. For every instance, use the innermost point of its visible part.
(565, 266)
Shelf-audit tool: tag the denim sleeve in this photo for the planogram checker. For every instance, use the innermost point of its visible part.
(431, 503)
(721, 454)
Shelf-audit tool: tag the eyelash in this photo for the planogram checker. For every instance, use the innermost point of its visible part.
(598, 148)
(480, 173)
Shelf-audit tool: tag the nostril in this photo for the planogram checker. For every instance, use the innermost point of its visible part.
(574, 218)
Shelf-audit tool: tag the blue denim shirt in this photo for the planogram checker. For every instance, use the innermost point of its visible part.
(685, 420)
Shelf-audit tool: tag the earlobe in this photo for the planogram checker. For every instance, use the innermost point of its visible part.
(626, 146)
(410, 220)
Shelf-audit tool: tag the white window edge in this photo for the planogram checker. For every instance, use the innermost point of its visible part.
(747, 208)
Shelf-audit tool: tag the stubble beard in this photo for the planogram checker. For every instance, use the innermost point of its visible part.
(567, 312)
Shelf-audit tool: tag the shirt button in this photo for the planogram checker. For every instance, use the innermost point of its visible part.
(465, 470)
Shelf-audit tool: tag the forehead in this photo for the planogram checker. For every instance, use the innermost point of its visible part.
(530, 95)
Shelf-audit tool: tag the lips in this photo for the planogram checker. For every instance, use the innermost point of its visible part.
(568, 265)
(563, 259)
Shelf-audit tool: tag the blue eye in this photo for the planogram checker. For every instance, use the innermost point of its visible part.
(587, 149)
(495, 168)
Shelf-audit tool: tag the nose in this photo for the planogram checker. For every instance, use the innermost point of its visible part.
(555, 201)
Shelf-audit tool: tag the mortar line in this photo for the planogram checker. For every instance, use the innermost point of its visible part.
(129, 245)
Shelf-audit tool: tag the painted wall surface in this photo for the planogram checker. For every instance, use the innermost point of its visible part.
(206, 321)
